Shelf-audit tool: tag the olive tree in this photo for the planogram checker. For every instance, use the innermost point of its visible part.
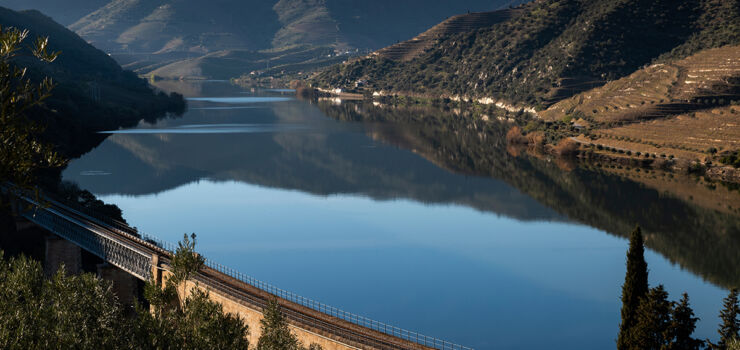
(21, 153)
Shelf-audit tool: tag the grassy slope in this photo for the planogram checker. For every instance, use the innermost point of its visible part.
(555, 49)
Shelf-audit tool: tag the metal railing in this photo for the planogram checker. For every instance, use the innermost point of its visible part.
(381, 327)
(119, 254)
(105, 251)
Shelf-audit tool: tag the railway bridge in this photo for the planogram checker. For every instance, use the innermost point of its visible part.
(148, 258)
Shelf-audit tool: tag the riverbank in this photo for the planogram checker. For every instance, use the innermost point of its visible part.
(577, 138)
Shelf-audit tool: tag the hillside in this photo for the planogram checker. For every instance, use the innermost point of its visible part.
(233, 63)
(410, 49)
(706, 79)
(185, 25)
(552, 50)
(182, 38)
(684, 110)
(366, 24)
(92, 91)
(64, 12)
(179, 25)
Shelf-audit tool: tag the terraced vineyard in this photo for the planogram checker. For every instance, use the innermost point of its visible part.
(717, 128)
(706, 79)
(410, 49)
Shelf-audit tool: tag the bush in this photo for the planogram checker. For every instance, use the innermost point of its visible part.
(514, 136)
(566, 147)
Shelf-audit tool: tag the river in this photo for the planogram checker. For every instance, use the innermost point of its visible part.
(429, 226)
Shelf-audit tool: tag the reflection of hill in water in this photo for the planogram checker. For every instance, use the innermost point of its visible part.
(340, 158)
(702, 239)
(326, 158)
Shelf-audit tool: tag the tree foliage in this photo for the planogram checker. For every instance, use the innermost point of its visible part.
(199, 324)
(276, 334)
(81, 312)
(185, 264)
(652, 321)
(730, 326)
(21, 154)
(192, 321)
(64, 312)
(635, 287)
(682, 325)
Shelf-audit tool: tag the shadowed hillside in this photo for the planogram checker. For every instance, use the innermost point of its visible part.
(92, 91)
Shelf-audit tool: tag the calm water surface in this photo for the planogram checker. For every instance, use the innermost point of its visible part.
(360, 216)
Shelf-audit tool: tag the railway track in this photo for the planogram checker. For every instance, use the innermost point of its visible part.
(124, 247)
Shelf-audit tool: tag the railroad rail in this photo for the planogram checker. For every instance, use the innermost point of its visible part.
(134, 252)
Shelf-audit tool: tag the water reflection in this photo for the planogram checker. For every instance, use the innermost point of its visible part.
(428, 222)
(239, 100)
(212, 129)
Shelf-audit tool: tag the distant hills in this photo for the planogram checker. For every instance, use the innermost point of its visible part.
(155, 26)
(550, 50)
(147, 35)
(190, 25)
(64, 12)
(233, 63)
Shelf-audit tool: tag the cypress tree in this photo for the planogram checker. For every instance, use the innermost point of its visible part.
(683, 324)
(728, 329)
(652, 321)
(635, 287)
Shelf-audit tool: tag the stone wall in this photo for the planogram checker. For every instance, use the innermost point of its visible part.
(252, 316)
